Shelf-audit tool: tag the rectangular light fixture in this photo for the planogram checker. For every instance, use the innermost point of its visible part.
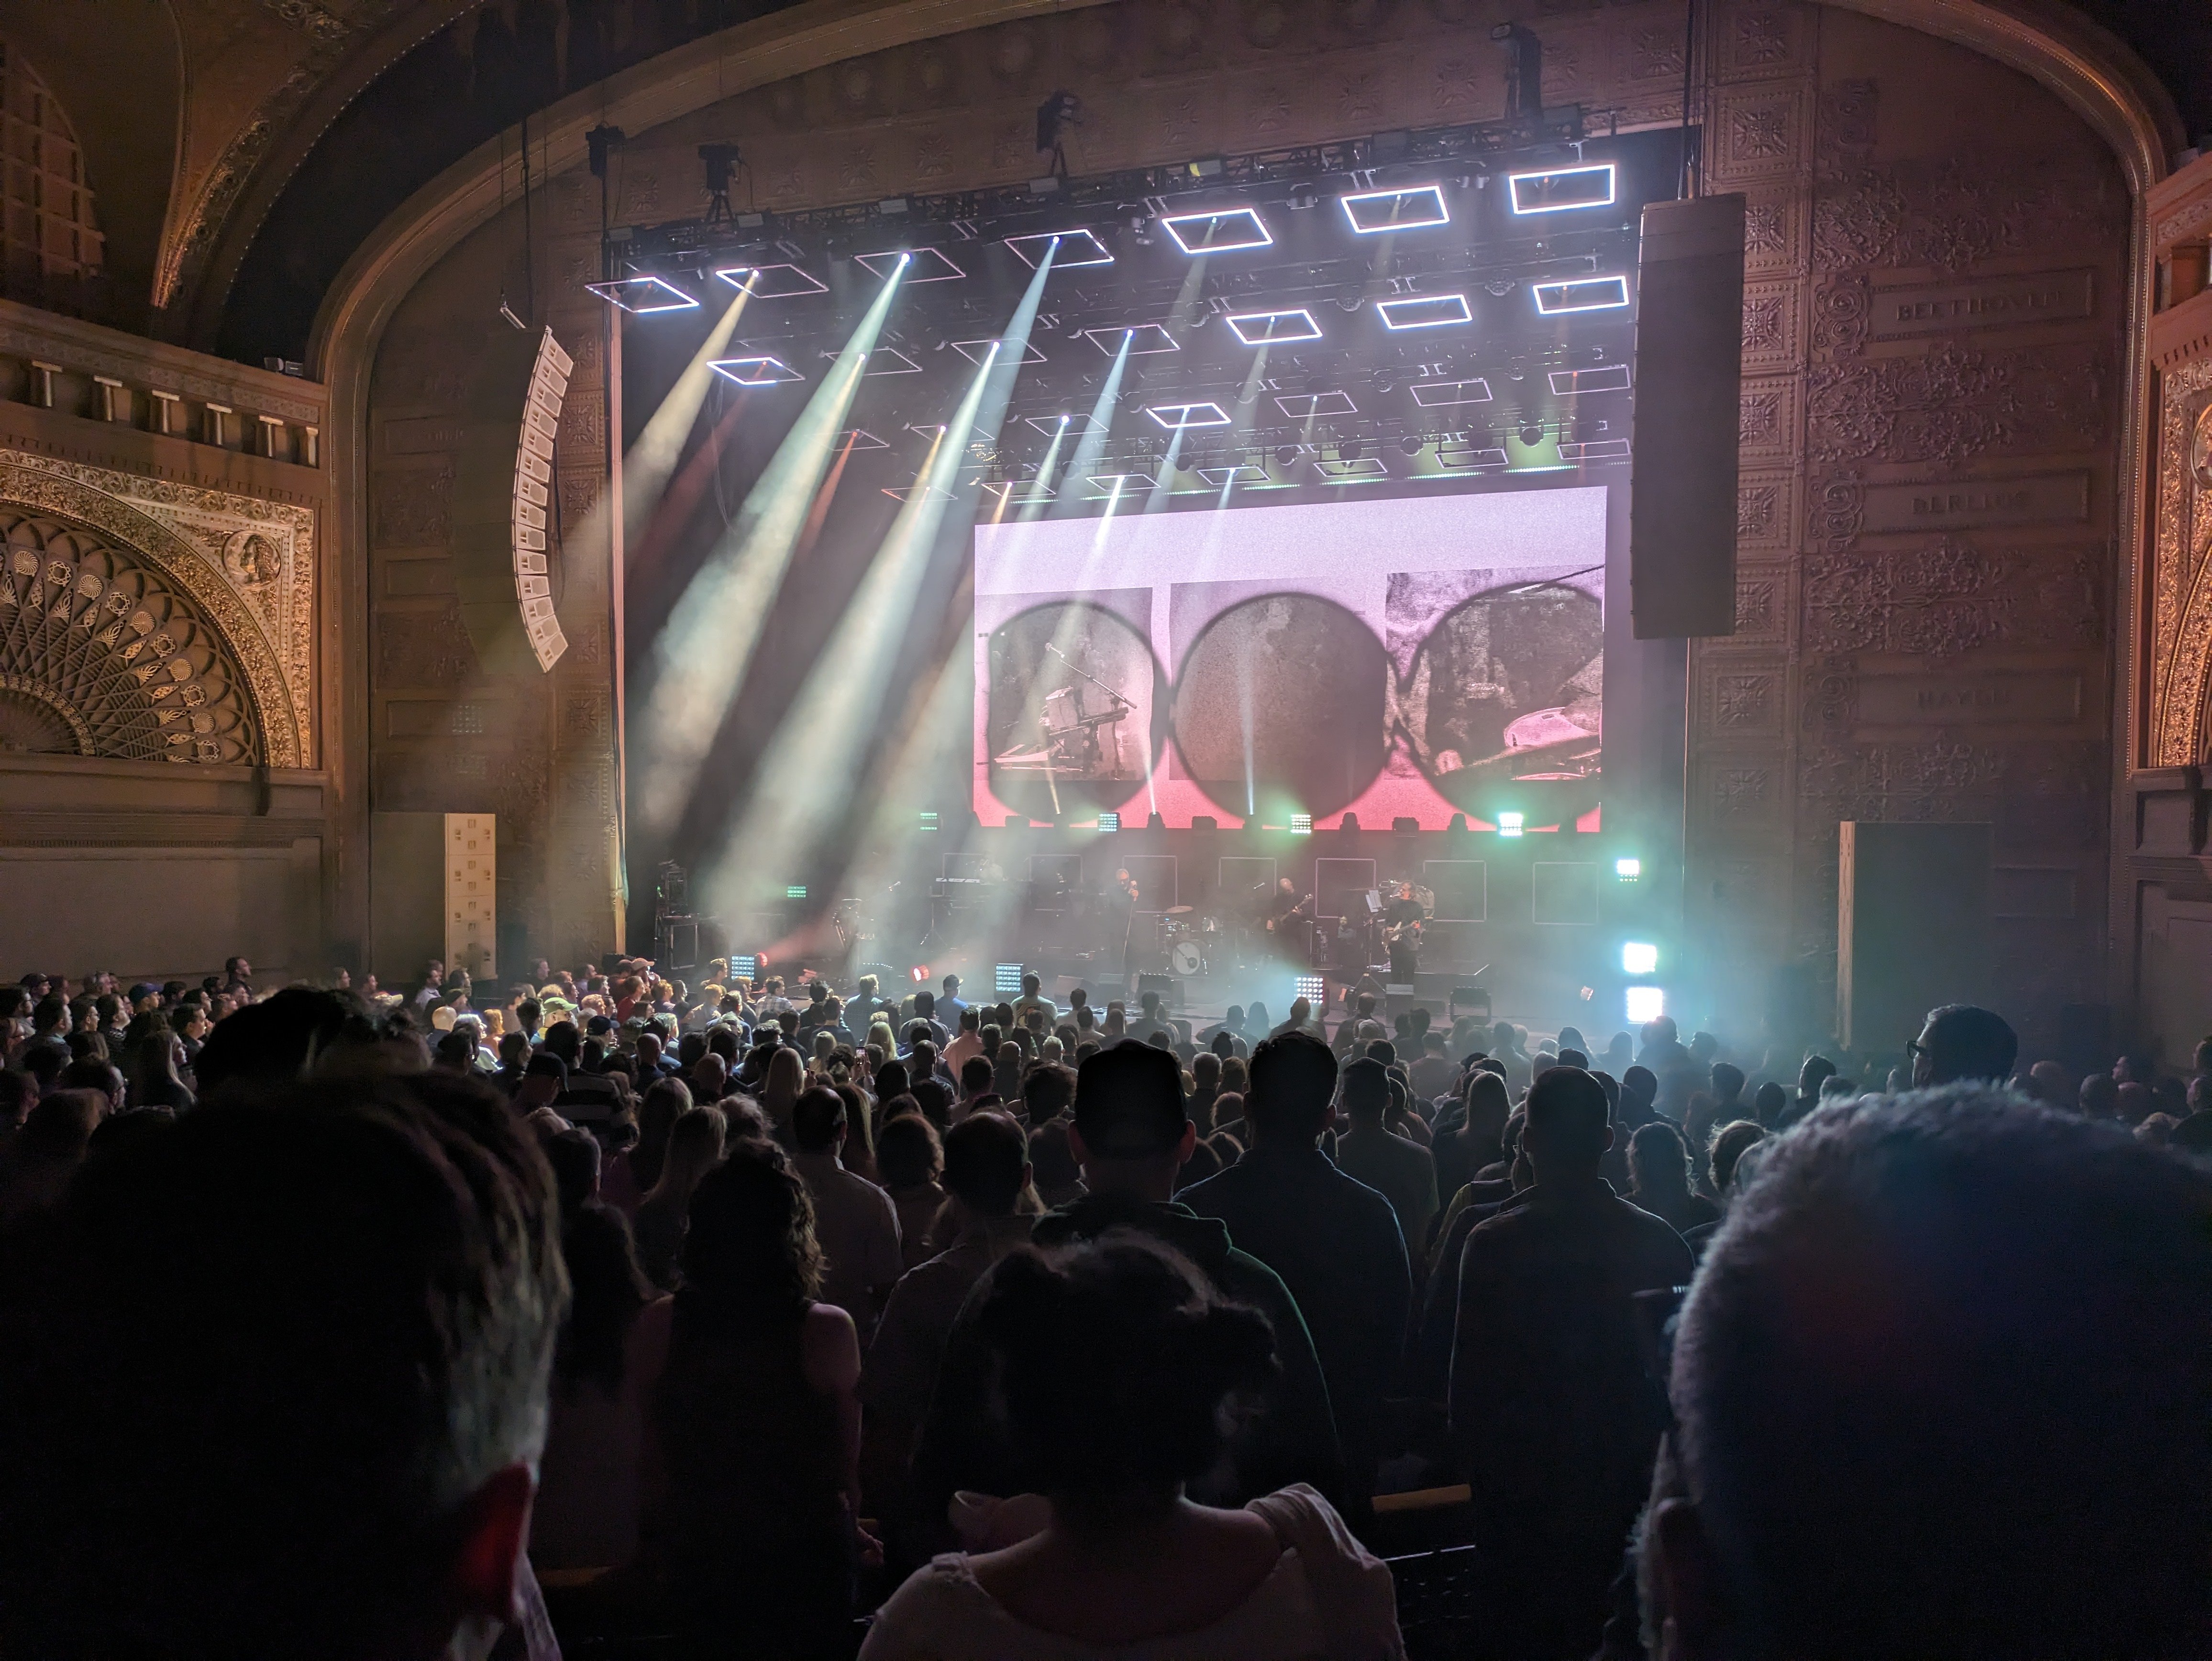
(1581, 294)
(772, 282)
(1266, 328)
(976, 350)
(1076, 248)
(1639, 958)
(889, 360)
(1019, 489)
(1314, 988)
(859, 438)
(643, 295)
(1362, 470)
(1108, 484)
(1467, 458)
(1301, 825)
(1243, 473)
(917, 493)
(1561, 189)
(1427, 311)
(1007, 982)
(1177, 416)
(924, 265)
(1628, 870)
(1596, 449)
(796, 890)
(1110, 821)
(755, 371)
(1067, 423)
(1510, 824)
(1608, 378)
(1225, 230)
(744, 967)
(1415, 208)
(1144, 339)
(1301, 406)
(1436, 394)
(1644, 1004)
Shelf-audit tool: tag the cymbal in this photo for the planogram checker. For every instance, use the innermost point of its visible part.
(1177, 911)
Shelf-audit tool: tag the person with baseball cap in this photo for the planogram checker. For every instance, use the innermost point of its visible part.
(1131, 1136)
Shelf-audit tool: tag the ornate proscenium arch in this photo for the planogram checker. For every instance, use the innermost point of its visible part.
(100, 655)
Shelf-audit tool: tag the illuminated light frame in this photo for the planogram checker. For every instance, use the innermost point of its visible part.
(1108, 341)
(1388, 310)
(961, 346)
(912, 492)
(881, 352)
(1458, 388)
(1574, 383)
(1060, 262)
(1108, 484)
(1511, 822)
(859, 438)
(1434, 193)
(1172, 224)
(731, 274)
(1467, 458)
(1514, 181)
(1188, 411)
(1569, 297)
(613, 293)
(1596, 449)
(1269, 336)
(727, 368)
(920, 256)
(1366, 470)
(1245, 473)
(1018, 490)
(1067, 423)
(1301, 406)
(1644, 1004)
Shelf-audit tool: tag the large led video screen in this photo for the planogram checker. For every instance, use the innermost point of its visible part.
(1393, 657)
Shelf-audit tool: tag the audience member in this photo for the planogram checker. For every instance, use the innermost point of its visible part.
(909, 1160)
(694, 1148)
(854, 1220)
(1659, 1172)
(1400, 1170)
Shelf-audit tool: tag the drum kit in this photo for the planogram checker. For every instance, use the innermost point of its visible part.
(1187, 940)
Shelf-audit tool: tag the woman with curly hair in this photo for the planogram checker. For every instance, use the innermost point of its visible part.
(758, 1425)
(1119, 1371)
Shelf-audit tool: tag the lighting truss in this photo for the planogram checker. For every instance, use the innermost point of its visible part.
(1438, 394)
(755, 371)
(1611, 378)
(1596, 449)
(1361, 471)
(858, 438)
(1415, 208)
(1224, 230)
(1267, 328)
(1428, 311)
(644, 294)
(1561, 189)
(1109, 484)
(1076, 248)
(889, 360)
(917, 492)
(1018, 490)
(976, 350)
(930, 265)
(772, 282)
(1145, 339)
(1243, 474)
(1581, 294)
(1301, 406)
(1177, 416)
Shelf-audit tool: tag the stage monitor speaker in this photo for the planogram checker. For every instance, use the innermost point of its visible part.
(1912, 927)
(1689, 377)
(1169, 988)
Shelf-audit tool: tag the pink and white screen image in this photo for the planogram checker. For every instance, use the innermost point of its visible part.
(1393, 657)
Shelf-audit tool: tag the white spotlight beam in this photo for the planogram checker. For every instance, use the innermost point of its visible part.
(700, 660)
(805, 782)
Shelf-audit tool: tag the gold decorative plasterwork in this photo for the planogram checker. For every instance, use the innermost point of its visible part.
(2181, 571)
(249, 565)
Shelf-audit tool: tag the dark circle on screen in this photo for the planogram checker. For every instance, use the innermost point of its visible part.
(1315, 681)
(1094, 762)
(1511, 654)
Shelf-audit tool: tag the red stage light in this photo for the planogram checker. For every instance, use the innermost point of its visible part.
(919, 974)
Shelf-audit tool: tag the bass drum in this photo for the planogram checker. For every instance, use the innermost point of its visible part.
(1184, 959)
